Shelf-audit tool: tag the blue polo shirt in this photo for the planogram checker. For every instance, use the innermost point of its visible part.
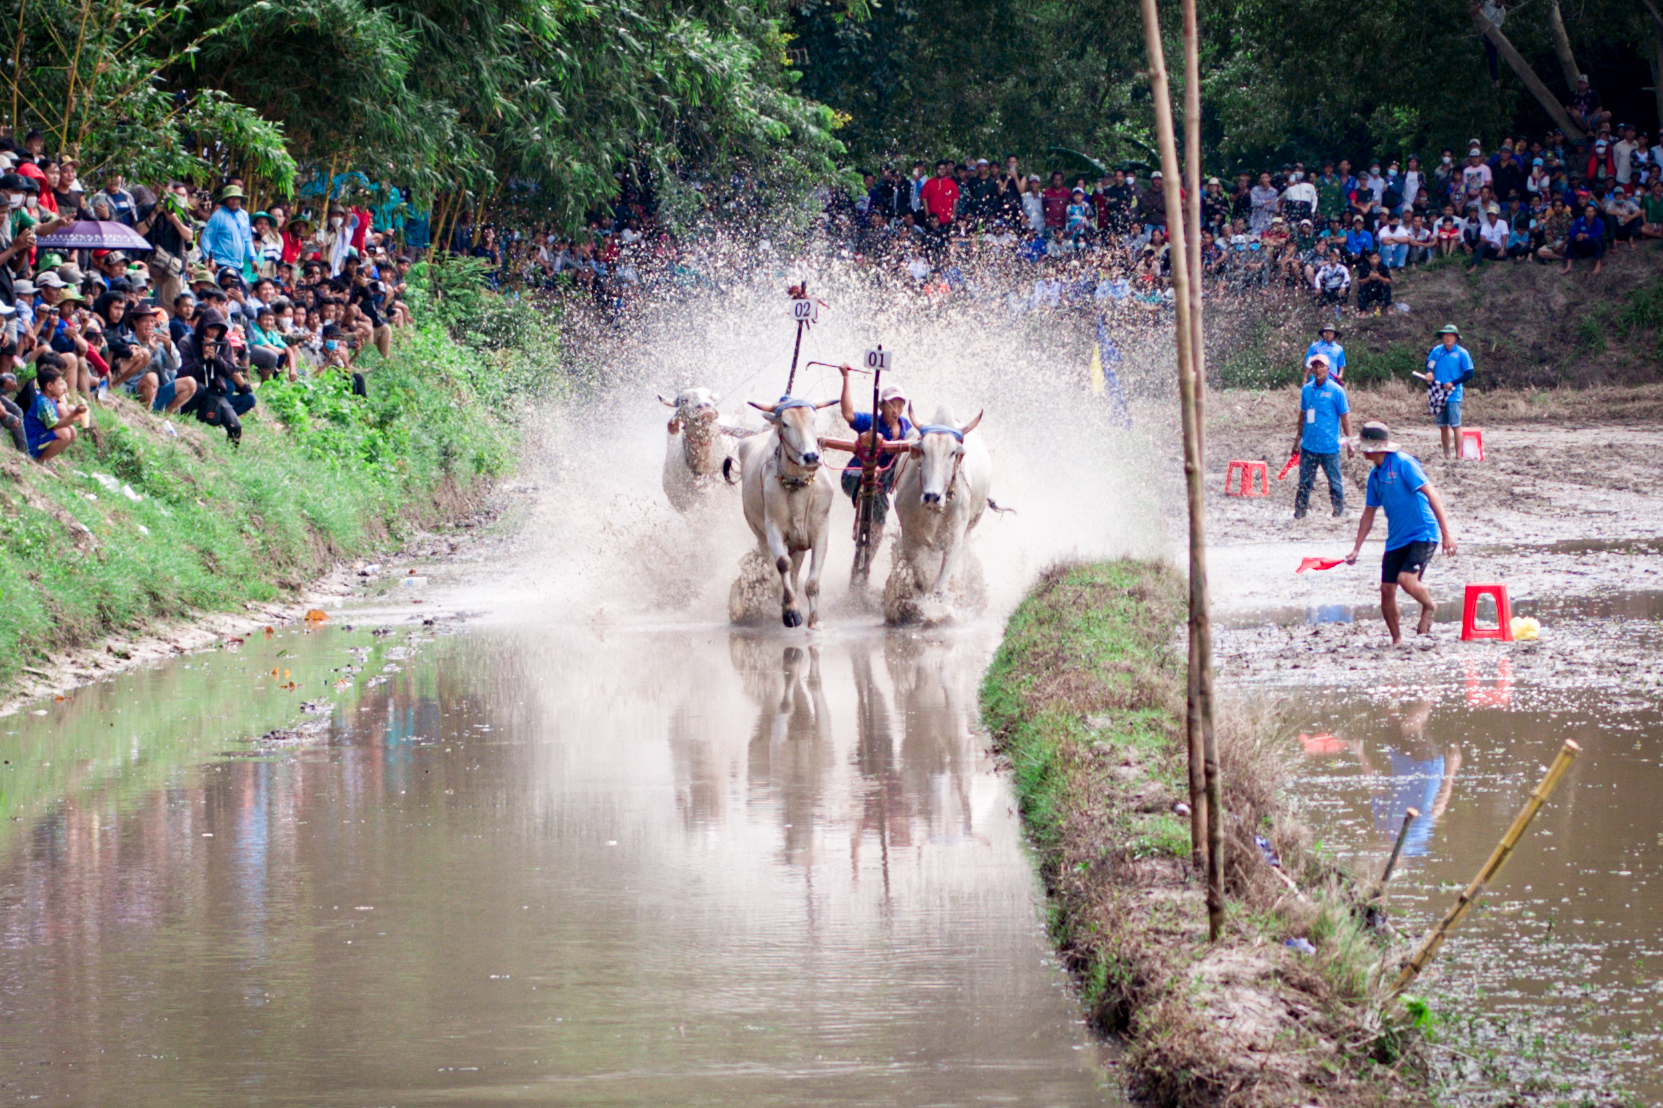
(1321, 410)
(1395, 485)
(1450, 366)
(862, 423)
(1333, 351)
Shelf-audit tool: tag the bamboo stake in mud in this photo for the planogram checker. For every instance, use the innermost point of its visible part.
(1183, 302)
(1201, 634)
(1200, 842)
(1504, 849)
(1409, 817)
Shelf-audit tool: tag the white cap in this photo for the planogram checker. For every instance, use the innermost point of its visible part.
(891, 392)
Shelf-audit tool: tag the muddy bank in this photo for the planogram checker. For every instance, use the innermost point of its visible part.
(1085, 698)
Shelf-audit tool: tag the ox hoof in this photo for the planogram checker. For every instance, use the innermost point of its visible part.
(792, 617)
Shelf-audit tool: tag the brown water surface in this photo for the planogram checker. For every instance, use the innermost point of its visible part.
(1555, 978)
(563, 866)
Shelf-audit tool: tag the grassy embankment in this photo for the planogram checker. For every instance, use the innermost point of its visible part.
(1085, 697)
(320, 475)
(1532, 332)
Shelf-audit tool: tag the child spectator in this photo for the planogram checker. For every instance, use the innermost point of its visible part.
(48, 424)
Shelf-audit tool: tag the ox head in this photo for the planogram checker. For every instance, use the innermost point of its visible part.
(939, 449)
(695, 409)
(793, 421)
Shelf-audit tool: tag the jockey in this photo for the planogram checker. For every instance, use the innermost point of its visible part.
(893, 426)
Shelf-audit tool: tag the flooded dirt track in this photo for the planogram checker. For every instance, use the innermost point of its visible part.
(565, 866)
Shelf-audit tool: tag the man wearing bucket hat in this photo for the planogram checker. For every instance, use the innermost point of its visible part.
(1328, 345)
(1324, 417)
(229, 238)
(1448, 367)
(1415, 524)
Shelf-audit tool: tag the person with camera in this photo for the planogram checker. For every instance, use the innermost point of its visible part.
(222, 393)
(165, 224)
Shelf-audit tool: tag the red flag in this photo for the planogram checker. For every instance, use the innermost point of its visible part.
(1293, 461)
(1318, 563)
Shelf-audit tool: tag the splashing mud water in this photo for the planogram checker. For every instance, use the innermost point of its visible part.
(603, 543)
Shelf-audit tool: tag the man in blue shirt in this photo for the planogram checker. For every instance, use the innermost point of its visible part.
(1328, 346)
(1324, 416)
(893, 426)
(1415, 523)
(228, 240)
(1450, 366)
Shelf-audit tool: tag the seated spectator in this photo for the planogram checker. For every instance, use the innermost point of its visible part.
(1490, 239)
(222, 394)
(1624, 216)
(1332, 283)
(1374, 285)
(1448, 234)
(1586, 239)
(49, 421)
(1359, 243)
(1585, 106)
(11, 415)
(1395, 240)
(1423, 243)
(1652, 208)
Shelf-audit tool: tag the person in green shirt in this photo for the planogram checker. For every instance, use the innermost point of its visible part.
(1330, 193)
(1652, 206)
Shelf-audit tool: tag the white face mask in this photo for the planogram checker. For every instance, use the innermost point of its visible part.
(336, 221)
(1447, 159)
(15, 198)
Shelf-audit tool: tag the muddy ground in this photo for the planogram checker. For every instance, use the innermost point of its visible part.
(1569, 517)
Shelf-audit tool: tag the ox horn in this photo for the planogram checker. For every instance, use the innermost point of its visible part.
(824, 404)
(665, 402)
(971, 426)
(767, 409)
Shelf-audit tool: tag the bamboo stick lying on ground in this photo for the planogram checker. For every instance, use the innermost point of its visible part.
(1435, 937)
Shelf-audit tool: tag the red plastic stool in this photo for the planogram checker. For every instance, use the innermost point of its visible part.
(1504, 614)
(1248, 471)
(1471, 446)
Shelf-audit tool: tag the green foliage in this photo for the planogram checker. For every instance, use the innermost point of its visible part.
(1378, 367)
(320, 474)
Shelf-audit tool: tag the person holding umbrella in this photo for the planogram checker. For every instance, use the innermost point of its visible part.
(1415, 524)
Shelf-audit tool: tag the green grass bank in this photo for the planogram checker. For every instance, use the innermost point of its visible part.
(1085, 697)
(134, 525)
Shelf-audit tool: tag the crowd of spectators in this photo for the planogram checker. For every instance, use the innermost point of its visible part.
(209, 300)
(1339, 231)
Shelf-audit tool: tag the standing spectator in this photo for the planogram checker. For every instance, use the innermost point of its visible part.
(228, 240)
(1449, 366)
(920, 177)
(1331, 198)
(984, 192)
(1586, 239)
(1263, 197)
(122, 207)
(940, 194)
(1446, 178)
(1011, 187)
(1299, 199)
(1602, 166)
(1056, 196)
(1475, 177)
(1623, 152)
(1033, 206)
(1509, 173)
(1414, 186)
(165, 224)
(1215, 207)
(1324, 421)
(1152, 204)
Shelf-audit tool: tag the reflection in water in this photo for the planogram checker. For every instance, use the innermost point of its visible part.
(1560, 964)
(568, 867)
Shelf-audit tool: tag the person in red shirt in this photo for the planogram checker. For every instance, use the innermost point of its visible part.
(941, 194)
(1056, 199)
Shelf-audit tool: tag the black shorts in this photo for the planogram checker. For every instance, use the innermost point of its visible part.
(1411, 557)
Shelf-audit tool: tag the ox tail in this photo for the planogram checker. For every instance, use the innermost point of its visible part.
(995, 507)
(729, 470)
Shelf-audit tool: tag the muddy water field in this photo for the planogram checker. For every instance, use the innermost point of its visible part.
(1553, 984)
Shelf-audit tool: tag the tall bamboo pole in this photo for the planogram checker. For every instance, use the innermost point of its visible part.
(1183, 302)
(1434, 938)
(1199, 814)
(1200, 605)
(17, 59)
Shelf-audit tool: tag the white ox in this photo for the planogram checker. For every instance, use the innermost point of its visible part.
(787, 501)
(941, 492)
(696, 450)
